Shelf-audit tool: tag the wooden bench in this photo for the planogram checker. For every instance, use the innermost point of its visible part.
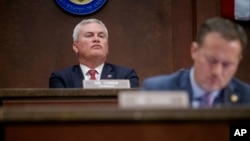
(81, 123)
(15, 97)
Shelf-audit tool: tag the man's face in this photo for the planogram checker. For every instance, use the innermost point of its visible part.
(92, 42)
(215, 61)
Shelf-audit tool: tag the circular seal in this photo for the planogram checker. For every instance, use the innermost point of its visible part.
(81, 7)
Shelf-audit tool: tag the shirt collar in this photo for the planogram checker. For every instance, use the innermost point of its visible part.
(86, 69)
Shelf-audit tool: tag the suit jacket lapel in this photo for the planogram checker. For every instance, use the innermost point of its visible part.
(229, 96)
(107, 72)
(184, 84)
(77, 77)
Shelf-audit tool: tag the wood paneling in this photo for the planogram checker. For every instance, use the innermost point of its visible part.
(36, 39)
(122, 131)
(182, 28)
(153, 37)
(244, 67)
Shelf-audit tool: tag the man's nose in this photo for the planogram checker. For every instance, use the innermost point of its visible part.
(96, 38)
(217, 69)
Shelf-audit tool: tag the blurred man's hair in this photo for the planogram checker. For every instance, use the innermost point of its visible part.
(226, 28)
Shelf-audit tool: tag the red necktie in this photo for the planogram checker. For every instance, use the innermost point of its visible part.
(92, 74)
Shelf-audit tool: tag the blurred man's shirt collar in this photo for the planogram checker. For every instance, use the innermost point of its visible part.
(197, 91)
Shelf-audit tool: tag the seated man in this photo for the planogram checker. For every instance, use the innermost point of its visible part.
(216, 54)
(90, 43)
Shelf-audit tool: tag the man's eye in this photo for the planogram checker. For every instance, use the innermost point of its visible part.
(226, 65)
(212, 61)
(88, 35)
(102, 35)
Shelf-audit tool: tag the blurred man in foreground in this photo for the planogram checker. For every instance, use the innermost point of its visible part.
(216, 54)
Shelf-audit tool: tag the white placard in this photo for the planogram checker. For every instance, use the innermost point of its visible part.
(106, 84)
(153, 99)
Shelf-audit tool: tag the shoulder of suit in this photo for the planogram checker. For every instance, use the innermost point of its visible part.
(68, 69)
(118, 66)
(236, 83)
(169, 77)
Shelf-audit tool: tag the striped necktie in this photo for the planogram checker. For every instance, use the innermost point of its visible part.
(206, 100)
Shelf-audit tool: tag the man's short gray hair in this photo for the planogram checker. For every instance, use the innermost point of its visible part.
(87, 21)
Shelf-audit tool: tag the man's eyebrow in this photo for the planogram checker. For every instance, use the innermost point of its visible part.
(101, 32)
(88, 32)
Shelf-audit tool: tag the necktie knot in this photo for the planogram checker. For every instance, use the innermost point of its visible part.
(92, 74)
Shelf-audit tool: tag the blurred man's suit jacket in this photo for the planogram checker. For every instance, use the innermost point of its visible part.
(235, 93)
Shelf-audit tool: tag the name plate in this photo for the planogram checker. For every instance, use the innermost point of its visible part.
(153, 99)
(106, 84)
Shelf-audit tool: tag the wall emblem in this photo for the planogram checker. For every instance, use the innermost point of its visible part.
(81, 7)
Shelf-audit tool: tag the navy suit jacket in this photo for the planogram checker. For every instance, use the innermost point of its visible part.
(72, 77)
(180, 81)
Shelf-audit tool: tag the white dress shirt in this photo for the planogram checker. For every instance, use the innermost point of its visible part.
(86, 69)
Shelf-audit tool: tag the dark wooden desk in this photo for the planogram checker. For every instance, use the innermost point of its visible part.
(15, 97)
(76, 123)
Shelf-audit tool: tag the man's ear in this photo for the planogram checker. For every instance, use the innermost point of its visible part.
(194, 49)
(75, 48)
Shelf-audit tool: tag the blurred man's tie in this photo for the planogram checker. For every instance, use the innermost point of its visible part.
(92, 74)
(206, 101)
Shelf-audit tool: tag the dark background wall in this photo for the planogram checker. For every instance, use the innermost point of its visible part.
(151, 36)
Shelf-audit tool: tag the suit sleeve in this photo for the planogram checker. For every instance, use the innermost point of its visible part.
(148, 85)
(56, 81)
(133, 78)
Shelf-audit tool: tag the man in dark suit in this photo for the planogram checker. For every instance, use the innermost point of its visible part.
(216, 54)
(90, 44)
